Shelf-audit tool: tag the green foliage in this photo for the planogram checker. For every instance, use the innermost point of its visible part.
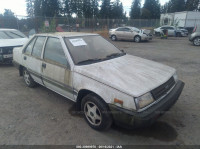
(135, 9)
(47, 8)
(30, 7)
(151, 9)
(192, 5)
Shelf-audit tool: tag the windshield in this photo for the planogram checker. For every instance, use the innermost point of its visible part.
(11, 35)
(91, 48)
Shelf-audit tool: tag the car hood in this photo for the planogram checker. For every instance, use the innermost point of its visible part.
(146, 31)
(129, 74)
(13, 42)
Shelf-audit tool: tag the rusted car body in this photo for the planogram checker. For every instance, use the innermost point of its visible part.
(107, 84)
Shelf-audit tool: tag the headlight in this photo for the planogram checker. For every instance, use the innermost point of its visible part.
(144, 100)
(175, 77)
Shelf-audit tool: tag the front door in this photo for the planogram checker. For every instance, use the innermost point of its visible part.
(56, 73)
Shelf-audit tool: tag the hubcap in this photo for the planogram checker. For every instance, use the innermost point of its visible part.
(137, 39)
(197, 41)
(92, 113)
(113, 38)
(26, 77)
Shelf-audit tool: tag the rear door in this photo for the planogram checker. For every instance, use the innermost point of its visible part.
(32, 58)
(171, 31)
(56, 73)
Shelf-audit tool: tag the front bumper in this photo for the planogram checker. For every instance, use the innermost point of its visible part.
(133, 119)
(6, 58)
(149, 37)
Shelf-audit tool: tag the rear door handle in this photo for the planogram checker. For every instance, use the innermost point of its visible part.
(44, 65)
(25, 57)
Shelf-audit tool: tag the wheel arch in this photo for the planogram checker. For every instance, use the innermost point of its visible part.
(82, 93)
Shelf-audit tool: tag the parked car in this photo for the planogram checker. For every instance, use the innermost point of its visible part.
(183, 30)
(172, 31)
(195, 36)
(106, 84)
(130, 33)
(10, 38)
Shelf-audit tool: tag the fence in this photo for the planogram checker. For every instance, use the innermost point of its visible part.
(25, 24)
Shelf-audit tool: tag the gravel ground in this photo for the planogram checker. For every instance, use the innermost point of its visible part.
(41, 117)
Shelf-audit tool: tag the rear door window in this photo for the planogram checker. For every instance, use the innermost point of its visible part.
(37, 50)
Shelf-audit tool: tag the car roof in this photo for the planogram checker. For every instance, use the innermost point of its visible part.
(66, 34)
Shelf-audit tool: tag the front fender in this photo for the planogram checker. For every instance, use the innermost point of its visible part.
(106, 92)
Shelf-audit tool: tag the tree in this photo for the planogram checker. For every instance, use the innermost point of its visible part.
(67, 8)
(105, 11)
(151, 9)
(117, 10)
(77, 7)
(30, 7)
(176, 6)
(135, 9)
(47, 8)
(192, 5)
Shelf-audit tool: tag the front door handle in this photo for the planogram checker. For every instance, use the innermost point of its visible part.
(25, 57)
(44, 65)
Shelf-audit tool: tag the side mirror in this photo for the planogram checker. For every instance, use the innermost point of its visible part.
(122, 50)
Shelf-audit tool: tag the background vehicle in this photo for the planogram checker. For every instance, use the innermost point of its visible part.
(172, 31)
(195, 36)
(130, 33)
(104, 81)
(183, 30)
(10, 38)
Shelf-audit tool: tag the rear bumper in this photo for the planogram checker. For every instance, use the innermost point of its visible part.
(132, 119)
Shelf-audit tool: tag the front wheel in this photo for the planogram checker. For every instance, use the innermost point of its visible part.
(196, 41)
(114, 38)
(96, 112)
(137, 39)
(28, 79)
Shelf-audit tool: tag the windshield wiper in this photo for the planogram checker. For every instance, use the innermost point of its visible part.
(89, 61)
(115, 55)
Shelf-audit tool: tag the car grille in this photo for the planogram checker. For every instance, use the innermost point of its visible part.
(7, 50)
(163, 89)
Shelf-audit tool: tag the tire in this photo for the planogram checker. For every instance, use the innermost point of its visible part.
(28, 79)
(196, 41)
(114, 38)
(178, 34)
(96, 112)
(137, 39)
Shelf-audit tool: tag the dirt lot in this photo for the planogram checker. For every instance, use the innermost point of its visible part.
(40, 116)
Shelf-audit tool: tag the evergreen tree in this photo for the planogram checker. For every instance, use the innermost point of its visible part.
(135, 9)
(192, 5)
(117, 10)
(176, 6)
(151, 9)
(30, 7)
(77, 7)
(94, 8)
(67, 8)
(47, 8)
(105, 11)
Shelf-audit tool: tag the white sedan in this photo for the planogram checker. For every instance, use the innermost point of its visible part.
(107, 84)
(10, 38)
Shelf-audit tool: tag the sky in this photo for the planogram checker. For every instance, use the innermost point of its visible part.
(19, 6)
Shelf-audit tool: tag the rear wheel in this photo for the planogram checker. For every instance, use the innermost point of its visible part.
(96, 112)
(137, 39)
(196, 41)
(28, 79)
(114, 38)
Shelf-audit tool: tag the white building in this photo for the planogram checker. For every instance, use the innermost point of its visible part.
(186, 19)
